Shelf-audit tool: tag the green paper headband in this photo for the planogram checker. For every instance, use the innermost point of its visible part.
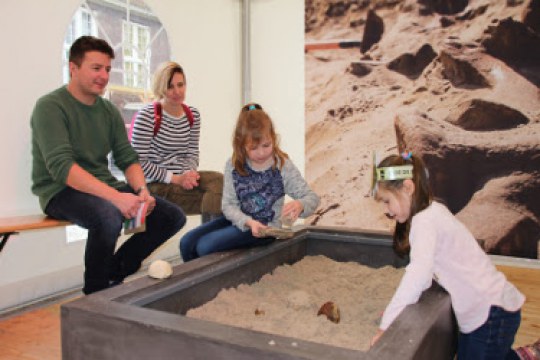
(389, 173)
(394, 173)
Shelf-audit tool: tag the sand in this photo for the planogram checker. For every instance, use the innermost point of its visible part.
(286, 302)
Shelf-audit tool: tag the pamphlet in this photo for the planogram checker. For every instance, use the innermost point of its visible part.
(138, 223)
(280, 234)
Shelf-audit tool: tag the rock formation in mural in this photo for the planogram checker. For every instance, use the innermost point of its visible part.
(456, 82)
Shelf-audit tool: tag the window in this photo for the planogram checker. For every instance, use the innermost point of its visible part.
(136, 55)
(81, 24)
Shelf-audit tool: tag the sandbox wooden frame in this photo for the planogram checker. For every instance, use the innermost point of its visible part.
(142, 318)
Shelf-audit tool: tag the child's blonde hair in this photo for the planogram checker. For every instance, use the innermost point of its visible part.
(252, 127)
(421, 199)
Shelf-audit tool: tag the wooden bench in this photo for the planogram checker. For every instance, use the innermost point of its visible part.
(16, 224)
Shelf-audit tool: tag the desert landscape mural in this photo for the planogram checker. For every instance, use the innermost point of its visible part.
(455, 82)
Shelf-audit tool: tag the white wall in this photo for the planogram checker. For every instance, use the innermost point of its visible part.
(277, 58)
(205, 38)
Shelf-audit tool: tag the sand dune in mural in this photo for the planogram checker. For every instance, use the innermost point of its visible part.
(456, 83)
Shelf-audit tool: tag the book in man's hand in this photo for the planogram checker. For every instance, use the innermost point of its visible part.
(138, 223)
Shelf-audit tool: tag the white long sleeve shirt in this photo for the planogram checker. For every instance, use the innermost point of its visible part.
(442, 248)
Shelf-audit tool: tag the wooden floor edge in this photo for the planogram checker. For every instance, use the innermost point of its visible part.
(515, 261)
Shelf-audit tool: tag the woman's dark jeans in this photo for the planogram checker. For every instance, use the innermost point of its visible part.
(493, 340)
(217, 235)
(104, 221)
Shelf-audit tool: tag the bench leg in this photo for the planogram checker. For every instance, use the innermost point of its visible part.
(5, 237)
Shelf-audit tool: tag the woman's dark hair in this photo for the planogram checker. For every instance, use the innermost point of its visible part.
(85, 44)
(421, 198)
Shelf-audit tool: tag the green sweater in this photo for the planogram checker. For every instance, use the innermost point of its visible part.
(66, 131)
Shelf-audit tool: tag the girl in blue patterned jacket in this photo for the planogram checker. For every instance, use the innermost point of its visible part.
(256, 180)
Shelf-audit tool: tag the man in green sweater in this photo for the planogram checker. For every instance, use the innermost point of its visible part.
(73, 131)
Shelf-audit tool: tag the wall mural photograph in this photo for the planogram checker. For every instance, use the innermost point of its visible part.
(454, 82)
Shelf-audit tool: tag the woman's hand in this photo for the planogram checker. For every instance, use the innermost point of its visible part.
(376, 337)
(187, 180)
(255, 227)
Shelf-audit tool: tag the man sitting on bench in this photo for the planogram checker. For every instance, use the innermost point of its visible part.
(73, 131)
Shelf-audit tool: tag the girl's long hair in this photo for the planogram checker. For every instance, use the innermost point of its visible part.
(252, 127)
(421, 198)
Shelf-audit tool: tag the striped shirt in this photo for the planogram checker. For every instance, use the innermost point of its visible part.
(175, 148)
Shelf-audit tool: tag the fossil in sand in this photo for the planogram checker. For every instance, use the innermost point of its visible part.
(331, 311)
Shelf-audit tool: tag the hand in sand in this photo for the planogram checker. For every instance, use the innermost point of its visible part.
(376, 337)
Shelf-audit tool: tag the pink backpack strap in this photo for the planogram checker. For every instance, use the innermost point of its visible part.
(157, 116)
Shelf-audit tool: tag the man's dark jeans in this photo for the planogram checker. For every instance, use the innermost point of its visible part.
(104, 221)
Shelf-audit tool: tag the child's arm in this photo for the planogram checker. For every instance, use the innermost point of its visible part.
(418, 274)
(293, 209)
(376, 337)
(255, 227)
(230, 205)
(297, 188)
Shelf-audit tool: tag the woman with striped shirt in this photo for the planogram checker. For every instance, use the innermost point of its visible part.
(170, 157)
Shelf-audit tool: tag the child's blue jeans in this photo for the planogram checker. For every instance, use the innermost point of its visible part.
(493, 340)
(216, 235)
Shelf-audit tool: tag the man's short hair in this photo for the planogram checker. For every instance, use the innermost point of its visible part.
(85, 44)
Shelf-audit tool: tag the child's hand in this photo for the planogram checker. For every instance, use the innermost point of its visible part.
(292, 209)
(255, 227)
(376, 337)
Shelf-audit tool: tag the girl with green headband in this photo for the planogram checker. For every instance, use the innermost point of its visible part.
(487, 306)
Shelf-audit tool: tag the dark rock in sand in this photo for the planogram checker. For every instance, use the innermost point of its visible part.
(531, 15)
(472, 13)
(445, 7)
(372, 31)
(481, 115)
(412, 65)
(359, 69)
(513, 42)
(337, 9)
(460, 71)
